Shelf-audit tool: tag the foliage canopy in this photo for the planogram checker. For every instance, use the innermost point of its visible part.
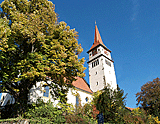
(149, 97)
(35, 47)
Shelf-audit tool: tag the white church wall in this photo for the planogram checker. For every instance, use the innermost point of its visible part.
(96, 76)
(71, 96)
(110, 76)
(102, 73)
(37, 92)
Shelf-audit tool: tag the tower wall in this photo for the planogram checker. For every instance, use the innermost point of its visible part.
(101, 65)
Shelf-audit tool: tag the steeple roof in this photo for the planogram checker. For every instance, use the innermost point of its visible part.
(97, 41)
(97, 38)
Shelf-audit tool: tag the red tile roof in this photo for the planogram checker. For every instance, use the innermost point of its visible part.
(97, 38)
(80, 83)
(130, 108)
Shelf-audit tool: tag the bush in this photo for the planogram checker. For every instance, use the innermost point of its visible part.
(44, 113)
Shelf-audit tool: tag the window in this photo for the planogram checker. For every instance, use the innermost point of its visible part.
(95, 63)
(77, 100)
(94, 52)
(108, 63)
(97, 83)
(104, 79)
(46, 91)
(86, 99)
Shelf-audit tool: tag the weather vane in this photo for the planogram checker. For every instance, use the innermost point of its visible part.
(95, 22)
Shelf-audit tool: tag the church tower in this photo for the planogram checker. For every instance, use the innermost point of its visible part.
(101, 65)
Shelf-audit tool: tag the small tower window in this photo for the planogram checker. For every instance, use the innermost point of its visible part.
(108, 63)
(94, 52)
(97, 61)
(97, 83)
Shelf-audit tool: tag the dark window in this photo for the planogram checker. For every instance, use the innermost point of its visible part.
(95, 63)
(86, 99)
(94, 52)
(46, 91)
(108, 63)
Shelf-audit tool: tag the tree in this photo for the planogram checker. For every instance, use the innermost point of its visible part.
(35, 47)
(109, 102)
(149, 97)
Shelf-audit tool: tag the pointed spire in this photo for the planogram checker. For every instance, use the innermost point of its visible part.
(97, 38)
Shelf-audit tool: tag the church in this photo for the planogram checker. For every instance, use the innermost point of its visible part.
(101, 73)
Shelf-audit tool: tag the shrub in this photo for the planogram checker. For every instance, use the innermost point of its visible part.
(44, 113)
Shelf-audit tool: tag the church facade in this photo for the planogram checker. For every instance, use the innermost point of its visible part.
(101, 73)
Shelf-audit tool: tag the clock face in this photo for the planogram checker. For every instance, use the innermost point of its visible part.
(106, 52)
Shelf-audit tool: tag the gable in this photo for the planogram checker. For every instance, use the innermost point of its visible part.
(81, 84)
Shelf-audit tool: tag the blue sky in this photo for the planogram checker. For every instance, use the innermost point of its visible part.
(129, 28)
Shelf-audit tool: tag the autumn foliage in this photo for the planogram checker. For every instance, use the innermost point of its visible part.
(149, 97)
(35, 47)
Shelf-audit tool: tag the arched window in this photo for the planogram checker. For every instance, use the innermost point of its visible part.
(77, 100)
(86, 99)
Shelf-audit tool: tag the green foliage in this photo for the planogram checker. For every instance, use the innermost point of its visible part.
(139, 116)
(43, 113)
(34, 47)
(82, 115)
(149, 97)
(110, 103)
(11, 110)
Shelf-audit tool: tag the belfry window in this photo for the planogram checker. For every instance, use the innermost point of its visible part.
(95, 63)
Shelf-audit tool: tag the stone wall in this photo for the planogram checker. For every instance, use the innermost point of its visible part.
(15, 122)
